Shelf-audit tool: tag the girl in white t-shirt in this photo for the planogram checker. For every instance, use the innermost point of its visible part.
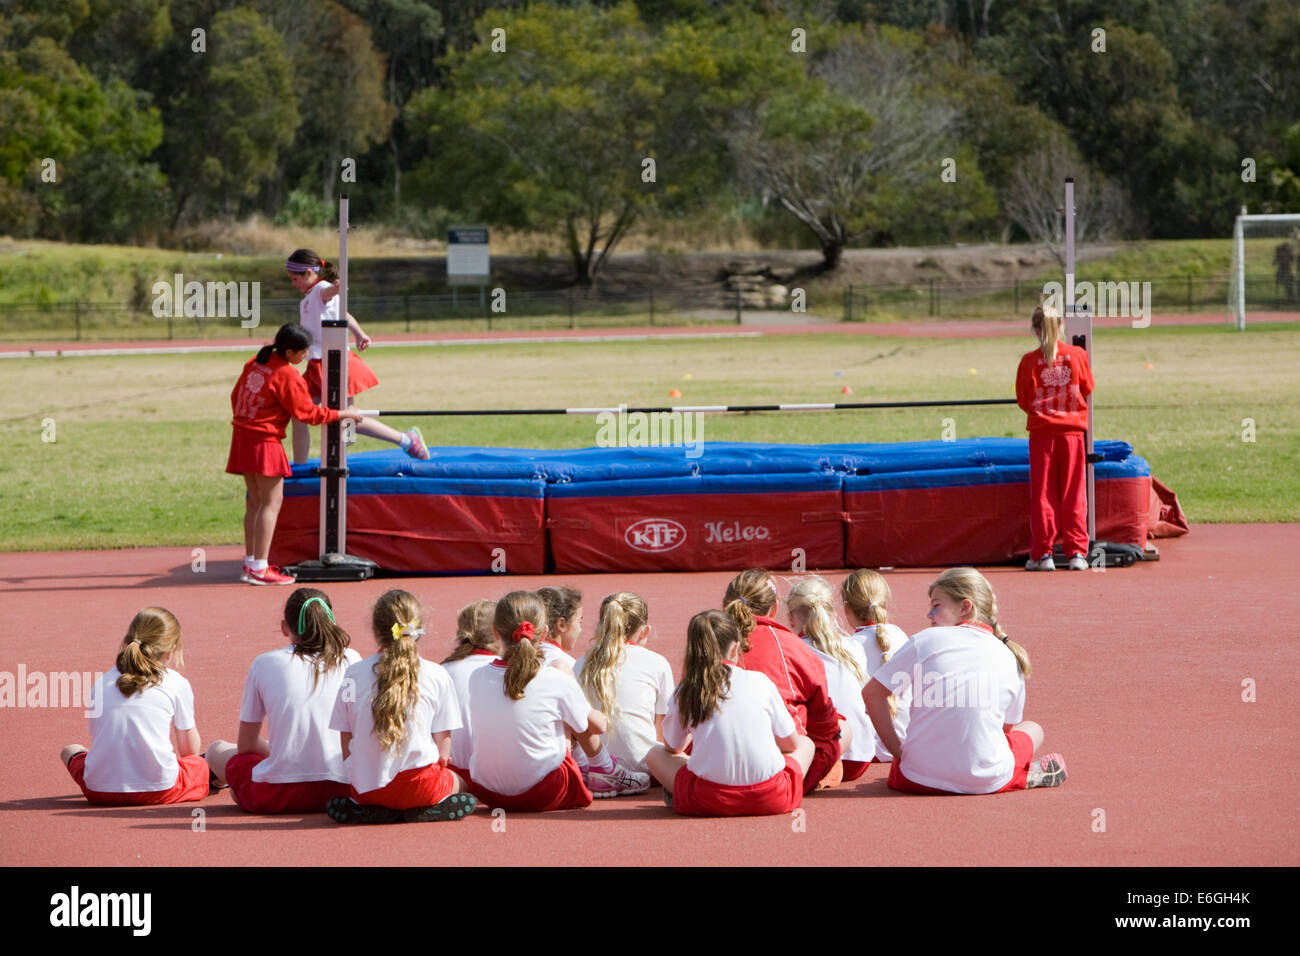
(144, 747)
(630, 684)
(746, 756)
(317, 281)
(395, 713)
(563, 625)
(866, 598)
(298, 766)
(967, 733)
(476, 646)
(520, 711)
(811, 605)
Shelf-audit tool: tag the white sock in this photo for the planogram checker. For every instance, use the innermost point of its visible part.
(248, 559)
(405, 443)
(257, 565)
(601, 762)
(580, 758)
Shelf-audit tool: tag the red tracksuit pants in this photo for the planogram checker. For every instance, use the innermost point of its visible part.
(1058, 493)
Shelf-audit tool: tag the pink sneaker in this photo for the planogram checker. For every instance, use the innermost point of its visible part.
(619, 782)
(272, 575)
(417, 448)
(1050, 772)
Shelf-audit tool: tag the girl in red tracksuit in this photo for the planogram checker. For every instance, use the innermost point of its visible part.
(794, 668)
(1052, 387)
(269, 392)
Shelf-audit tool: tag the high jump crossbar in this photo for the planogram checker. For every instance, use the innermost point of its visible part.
(658, 409)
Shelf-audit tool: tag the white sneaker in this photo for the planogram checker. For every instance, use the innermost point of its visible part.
(619, 782)
(1046, 564)
(1078, 563)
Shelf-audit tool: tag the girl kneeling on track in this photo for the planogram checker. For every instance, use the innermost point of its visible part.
(746, 757)
(519, 713)
(866, 597)
(134, 758)
(769, 646)
(966, 733)
(395, 713)
(811, 605)
(298, 767)
(270, 392)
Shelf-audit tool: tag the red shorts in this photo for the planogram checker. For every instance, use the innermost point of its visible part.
(254, 796)
(256, 455)
(853, 769)
(360, 377)
(561, 789)
(421, 787)
(191, 784)
(1022, 753)
(697, 797)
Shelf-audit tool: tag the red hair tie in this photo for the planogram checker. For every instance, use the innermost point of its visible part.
(523, 631)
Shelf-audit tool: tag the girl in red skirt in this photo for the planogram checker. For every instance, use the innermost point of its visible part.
(317, 281)
(144, 747)
(270, 392)
(395, 713)
(746, 757)
(298, 766)
(1053, 383)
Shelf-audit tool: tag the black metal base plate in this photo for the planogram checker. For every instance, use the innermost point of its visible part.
(334, 567)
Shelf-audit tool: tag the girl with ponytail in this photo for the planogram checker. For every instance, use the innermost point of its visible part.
(1053, 383)
(626, 681)
(967, 732)
(520, 712)
(811, 605)
(769, 646)
(133, 758)
(747, 758)
(476, 646)
(317, 281)
(298, 766)
(270, 392)
(395, 713)
(866, 597)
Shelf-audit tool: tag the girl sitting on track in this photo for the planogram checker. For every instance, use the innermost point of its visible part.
(519, 711)
(791, 665)
(315, 279)
(1053, 383)
(563, 625)
(811, 605)
(395, 712)
(298, 767)
(476, 646)
(966, 733)
(746, 757)
(866, 597)
(269, 392)
(134, 708)
(630, 684)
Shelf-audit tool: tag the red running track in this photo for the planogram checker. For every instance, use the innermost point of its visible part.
(1138, 680)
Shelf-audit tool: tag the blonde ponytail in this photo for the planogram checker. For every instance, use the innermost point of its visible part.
(153, 633)
(1047, 324)
(967, 584)
(750, 593)
(396, 622)
(621, 615)
(813, 600)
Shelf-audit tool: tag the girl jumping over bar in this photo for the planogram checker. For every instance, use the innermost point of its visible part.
(270, 392)
(317, 280)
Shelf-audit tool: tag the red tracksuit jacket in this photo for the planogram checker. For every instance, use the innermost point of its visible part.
(267, 396)
(1054, 396)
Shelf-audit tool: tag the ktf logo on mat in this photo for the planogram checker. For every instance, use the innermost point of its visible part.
(654, 534)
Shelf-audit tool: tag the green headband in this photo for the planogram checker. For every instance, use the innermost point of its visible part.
(306, 604)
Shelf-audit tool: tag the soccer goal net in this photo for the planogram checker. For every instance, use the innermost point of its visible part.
(1265, 277)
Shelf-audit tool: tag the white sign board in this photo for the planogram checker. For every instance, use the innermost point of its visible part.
(468, 262)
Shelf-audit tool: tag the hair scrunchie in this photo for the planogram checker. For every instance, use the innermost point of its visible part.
(302, 611)
(406, 630)
(523, 632)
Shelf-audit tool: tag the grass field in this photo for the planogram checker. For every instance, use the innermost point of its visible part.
(141, 442)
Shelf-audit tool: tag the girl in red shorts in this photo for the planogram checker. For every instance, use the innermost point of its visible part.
(317, 280)
(270, 392)
(395, 713)
(299, 769)
(746, 757)
(134, 708)
(966, 732)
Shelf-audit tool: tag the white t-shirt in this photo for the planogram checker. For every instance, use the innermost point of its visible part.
(279, 690)
(462, 736)
(643, 686)
(518, 742)
(369, 766)
(553, 655)
(966, 685)
(311, 310)
(131, 740)
(896, 637)
(846, 695)
(736, 746)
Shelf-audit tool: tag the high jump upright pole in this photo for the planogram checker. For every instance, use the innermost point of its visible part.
(1078, 328)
